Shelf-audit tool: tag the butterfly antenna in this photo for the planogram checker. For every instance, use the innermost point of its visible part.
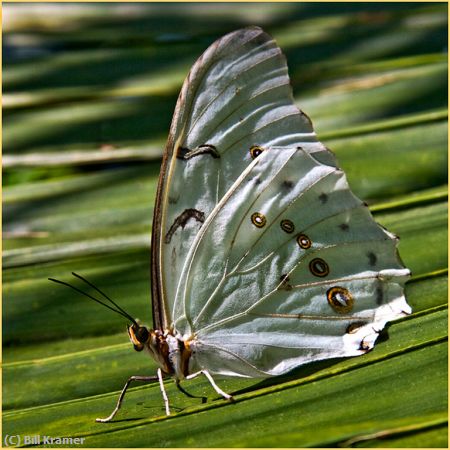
(118, 311)
(104, 295)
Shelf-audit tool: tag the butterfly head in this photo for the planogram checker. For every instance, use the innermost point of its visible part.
(154, 341)
(139, 336)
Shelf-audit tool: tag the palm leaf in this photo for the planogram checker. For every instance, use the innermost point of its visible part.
(89, 93)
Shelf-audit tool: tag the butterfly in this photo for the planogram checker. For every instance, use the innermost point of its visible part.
(262, 259)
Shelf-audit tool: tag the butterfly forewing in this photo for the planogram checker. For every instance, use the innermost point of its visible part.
(235, 103)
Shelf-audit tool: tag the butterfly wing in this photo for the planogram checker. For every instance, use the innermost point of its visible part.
(288, 268)
(235, 102)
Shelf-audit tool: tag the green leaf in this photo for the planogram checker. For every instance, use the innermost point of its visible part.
(88, 91)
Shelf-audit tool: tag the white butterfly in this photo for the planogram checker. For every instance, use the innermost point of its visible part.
(262, 258)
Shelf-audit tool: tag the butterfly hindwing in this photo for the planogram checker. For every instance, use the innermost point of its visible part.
(289, 267)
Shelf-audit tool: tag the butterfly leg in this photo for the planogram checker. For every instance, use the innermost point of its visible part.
(212, 382)
(163, 391)
(124, 390)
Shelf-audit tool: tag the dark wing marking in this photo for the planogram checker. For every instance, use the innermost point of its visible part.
(182, 220)
(185, 153)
